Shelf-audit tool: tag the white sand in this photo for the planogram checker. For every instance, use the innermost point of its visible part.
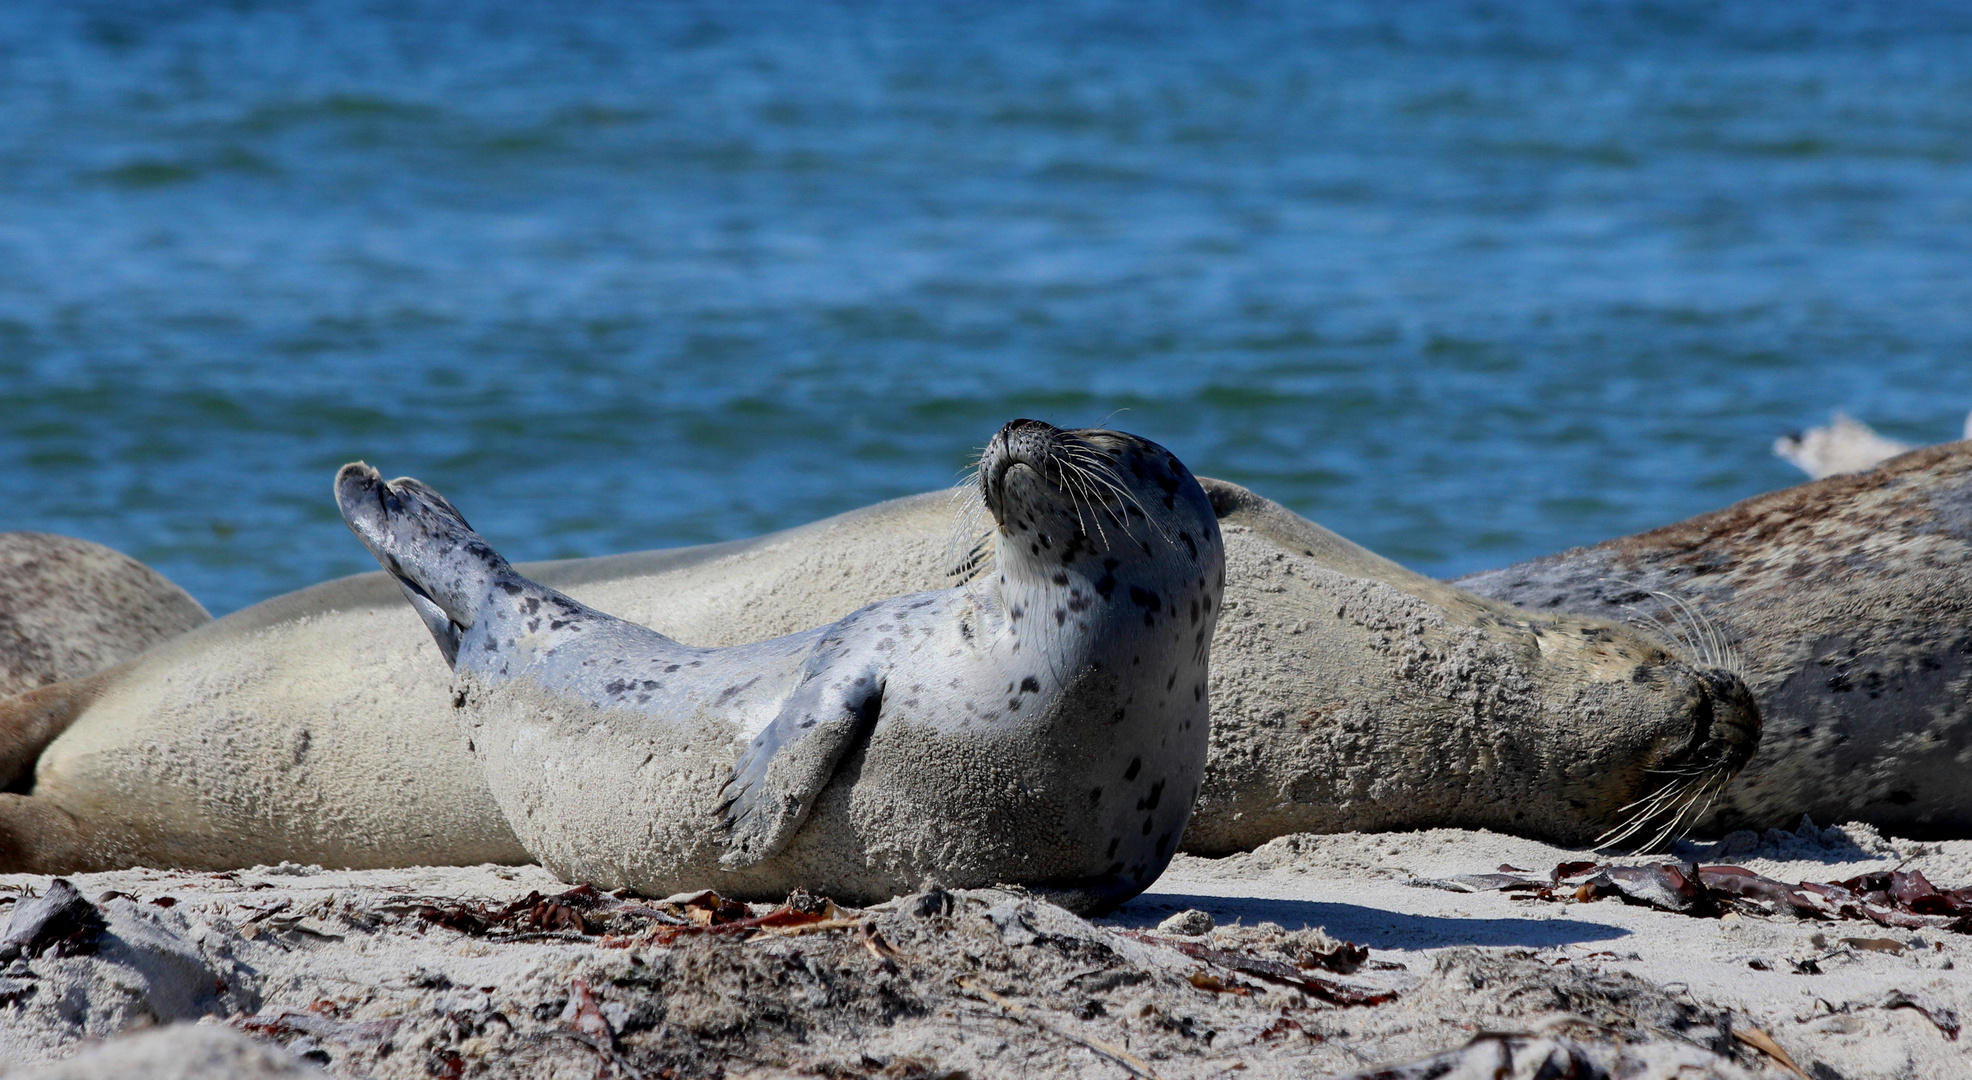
(378, 991)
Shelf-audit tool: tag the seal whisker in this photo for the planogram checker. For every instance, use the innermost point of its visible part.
(1100, 469)
(969, 545)
(1719, 650)
(1680, 623)
(1651, 807)
(1676, 826)
(1076, 481)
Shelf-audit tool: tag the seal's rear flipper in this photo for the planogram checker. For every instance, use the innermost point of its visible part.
(421, 539)
(30, 721)
(787, 765)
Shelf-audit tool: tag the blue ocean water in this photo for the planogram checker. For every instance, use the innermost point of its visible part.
(1466, 281)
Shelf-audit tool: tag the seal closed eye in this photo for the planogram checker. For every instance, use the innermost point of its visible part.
(951, 734)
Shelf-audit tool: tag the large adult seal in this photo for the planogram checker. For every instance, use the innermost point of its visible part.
(1847, 603)
(69, 608)
(1044, 724)
(1347, 693)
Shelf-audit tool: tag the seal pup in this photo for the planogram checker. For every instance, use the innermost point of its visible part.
(1847, 605)
(1347, 692)
(1045, 724)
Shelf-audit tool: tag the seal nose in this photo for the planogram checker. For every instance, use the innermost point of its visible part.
(1734, 718)
(1018, 442)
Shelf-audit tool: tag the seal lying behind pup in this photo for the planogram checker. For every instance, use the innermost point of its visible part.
(1348, 693)
(1849, 600)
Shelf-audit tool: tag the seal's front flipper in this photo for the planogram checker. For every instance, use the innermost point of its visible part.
(787, 765)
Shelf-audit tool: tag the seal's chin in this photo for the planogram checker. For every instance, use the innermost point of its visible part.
(1684, 782)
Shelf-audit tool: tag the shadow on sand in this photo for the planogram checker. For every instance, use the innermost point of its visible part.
(1366, 925)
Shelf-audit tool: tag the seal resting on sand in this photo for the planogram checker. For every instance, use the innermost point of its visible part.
(1348, 693)
(1847, 603)
(1044, 724)
(69, 608)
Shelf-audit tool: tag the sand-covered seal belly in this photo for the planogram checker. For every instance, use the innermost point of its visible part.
(1045, 724)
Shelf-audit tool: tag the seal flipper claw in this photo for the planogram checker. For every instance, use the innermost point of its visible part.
(776, 781)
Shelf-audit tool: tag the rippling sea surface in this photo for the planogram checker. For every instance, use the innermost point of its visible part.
(1466, 282)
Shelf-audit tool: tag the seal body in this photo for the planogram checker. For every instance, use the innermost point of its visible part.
(1347, 693)
(1847, 605)
(69, 608)
(1045, 724)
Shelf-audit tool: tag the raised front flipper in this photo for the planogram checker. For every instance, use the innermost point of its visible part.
(785, 767)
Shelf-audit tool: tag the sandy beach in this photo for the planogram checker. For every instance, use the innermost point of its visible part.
(414, 973)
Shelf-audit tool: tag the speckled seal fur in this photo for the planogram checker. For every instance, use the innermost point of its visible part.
(1045, 724)
(69, 608)
(1347, 693)
(1848, 604)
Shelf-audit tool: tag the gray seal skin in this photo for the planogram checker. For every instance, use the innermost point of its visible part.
(1044, 724)
(69, 608)
(1347, 693)
(1847, 604)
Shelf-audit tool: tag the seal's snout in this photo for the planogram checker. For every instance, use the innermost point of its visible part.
(1019, 442)
(359, 495)
(356, 482)
(1733, 731)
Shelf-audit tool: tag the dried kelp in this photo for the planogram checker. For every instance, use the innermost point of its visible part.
(1900, 899)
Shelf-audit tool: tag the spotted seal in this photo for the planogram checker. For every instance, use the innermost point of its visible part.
(1045, 724)
(1846, 603)
(1347, 693)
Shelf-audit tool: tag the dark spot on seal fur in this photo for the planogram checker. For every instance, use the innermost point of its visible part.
(1095, 796)
(1150, 801)
(1136, 766)
(1114, 842)
(1030, 685)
